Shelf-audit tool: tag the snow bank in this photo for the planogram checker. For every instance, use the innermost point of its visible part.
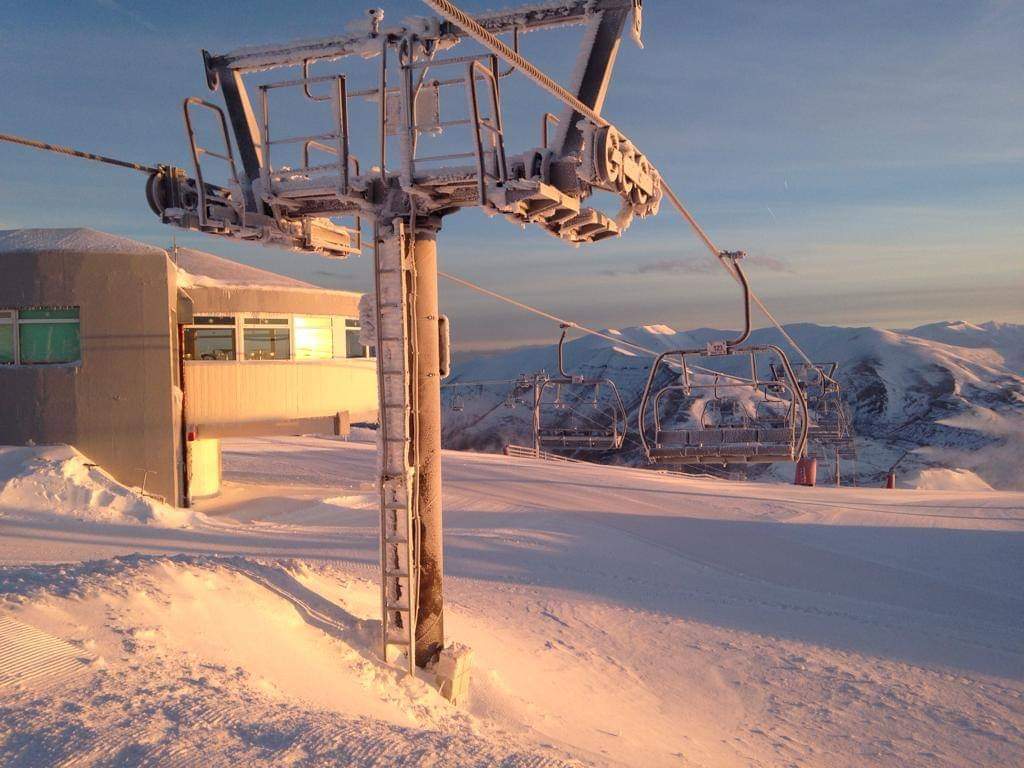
(938, 479)
(251, 663)
(58, 480)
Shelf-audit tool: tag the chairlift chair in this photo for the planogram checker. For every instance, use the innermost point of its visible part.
(573, 413)
(725, 434)
(829, 422)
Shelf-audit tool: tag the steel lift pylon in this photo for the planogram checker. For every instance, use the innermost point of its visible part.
(319, 201)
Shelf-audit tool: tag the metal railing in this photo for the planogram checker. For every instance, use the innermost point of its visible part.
(198, 151)
(522, 452)
(493, 145)
(339, 137)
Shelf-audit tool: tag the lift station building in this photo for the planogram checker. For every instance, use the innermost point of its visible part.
(143, 359)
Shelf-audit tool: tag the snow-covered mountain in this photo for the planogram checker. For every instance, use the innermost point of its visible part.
(945, 401)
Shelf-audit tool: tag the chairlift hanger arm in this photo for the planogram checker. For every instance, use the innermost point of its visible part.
(734, 258)
(561, 358)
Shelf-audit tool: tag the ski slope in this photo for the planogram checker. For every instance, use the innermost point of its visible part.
(618, 618)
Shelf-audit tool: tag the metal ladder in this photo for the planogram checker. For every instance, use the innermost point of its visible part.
(396, 391)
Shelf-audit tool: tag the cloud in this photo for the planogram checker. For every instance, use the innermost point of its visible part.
(116, 7)
(767, 263)
(676, 266)
(695, 265)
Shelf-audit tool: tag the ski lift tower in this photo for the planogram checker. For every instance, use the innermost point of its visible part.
(318, 202)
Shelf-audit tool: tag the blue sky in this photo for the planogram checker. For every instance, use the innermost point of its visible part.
(869, 155)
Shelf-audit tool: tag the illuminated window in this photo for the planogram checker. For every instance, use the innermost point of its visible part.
(313, 338)
(213, 338)
(267, 338)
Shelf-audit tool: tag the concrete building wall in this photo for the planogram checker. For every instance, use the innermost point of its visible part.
(117, 404)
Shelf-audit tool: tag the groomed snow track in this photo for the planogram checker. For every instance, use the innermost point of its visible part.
(618, 617)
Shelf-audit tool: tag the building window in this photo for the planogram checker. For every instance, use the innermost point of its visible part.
(6, 337)
(284, 337)
(210, 338)
(267, 338)
(346, 339)
(313, 338)
(40, 336)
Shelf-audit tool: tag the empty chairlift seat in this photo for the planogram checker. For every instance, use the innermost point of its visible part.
(573, 413)
(776, 429)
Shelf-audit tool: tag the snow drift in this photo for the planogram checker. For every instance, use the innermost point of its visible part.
(58, 480)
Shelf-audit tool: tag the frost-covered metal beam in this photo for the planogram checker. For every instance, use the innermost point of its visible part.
(597, 59)
(479, 33)
(525, 18)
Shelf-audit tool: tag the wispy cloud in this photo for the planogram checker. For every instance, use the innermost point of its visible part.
(695, 265)
(116, 7)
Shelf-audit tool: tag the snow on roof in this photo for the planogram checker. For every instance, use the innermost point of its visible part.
(78, 239)
(195, 268)
(202, 268)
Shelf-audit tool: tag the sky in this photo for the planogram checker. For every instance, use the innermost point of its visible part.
(868, 156)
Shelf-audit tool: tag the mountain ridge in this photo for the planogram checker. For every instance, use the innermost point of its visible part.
(941, 397)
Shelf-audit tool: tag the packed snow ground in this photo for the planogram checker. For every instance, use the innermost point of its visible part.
(618, 617)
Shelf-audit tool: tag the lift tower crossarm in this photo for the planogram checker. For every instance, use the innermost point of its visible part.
(486, 38)
(524, 19)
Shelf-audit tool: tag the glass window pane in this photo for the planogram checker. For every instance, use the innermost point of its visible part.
(313, 338)
(267, 344)
(41, 343)
(338, 333)
(353, 347)
(213, 320)
(52, 313)
(266, 321)
(6, 342)
(209, 344)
